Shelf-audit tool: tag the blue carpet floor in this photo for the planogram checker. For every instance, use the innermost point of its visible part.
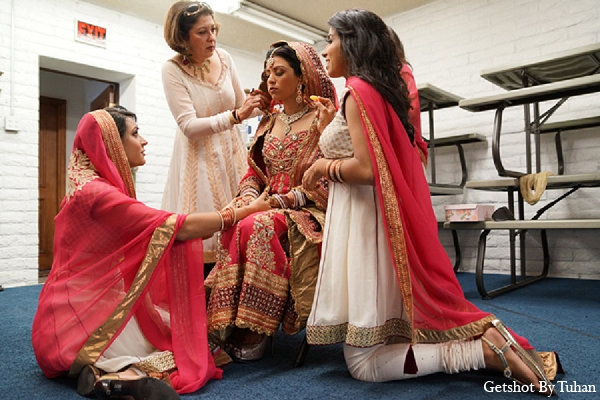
(555, 314)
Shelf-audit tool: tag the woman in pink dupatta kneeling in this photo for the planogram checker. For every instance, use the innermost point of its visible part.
(386, 287)
(125, 296)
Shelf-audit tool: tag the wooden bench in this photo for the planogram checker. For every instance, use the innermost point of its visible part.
(554, 182)
(517, 228)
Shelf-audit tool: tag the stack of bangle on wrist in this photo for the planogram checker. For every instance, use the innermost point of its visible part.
(233, 117)
(249, 191)
(228, 218)
(294, 199)
(333, 171)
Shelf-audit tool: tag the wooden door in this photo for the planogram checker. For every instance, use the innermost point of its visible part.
(52, 170)
(104, 99)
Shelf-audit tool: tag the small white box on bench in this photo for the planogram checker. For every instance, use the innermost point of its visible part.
(469, 212)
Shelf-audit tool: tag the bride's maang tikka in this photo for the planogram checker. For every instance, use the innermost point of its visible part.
(275, 46)
(270, 60)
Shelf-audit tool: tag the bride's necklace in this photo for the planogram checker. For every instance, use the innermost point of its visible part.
(202, 68)
(290, 119)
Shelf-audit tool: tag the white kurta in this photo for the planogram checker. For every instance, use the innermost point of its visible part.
(209, 156)
(357, 298)
(357, 288)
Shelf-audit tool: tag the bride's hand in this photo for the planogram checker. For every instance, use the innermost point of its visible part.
(259, 204)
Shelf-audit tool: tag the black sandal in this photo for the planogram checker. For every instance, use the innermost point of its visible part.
(111, 386)
(85, 382)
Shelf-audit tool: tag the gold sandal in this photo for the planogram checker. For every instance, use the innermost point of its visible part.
(520, 352)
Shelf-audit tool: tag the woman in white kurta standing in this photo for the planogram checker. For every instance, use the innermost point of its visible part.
(207, 100)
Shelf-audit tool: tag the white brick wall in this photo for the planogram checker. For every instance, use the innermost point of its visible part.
(134, 47)
(448, 43)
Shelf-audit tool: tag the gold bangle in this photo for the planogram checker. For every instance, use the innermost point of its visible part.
(328, 170)
(338, 171)
(222, 222)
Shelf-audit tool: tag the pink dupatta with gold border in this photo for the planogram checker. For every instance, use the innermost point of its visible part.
(114, 258)
(431, 293)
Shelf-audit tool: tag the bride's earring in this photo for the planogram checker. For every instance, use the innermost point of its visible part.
(299, 98)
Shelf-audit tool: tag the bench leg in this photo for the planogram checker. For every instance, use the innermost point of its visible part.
(485, 294)
(457, 253)
(479, 266)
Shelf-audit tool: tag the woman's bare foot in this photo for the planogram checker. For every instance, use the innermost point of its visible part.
(520, 371)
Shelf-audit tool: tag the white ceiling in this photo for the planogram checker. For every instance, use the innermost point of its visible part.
(236, 32)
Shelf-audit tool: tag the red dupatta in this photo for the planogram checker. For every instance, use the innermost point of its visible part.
(414, 114)
(114, 257)
(431, 293)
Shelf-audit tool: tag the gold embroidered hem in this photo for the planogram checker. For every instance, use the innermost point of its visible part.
(263, 300)
(394, 328)
(309, 222)
(162, 362)
(100, 338)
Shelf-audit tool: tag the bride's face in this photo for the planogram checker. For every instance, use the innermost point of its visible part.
(282, 82)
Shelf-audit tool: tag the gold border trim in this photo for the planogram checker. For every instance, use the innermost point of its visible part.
(101, 337)
(391, 210)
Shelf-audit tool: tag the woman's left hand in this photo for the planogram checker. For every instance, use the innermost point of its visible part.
(314, 173)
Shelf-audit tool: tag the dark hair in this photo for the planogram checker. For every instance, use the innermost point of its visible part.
(399, 46)
(371, 55)
(120, 114)
(178, 24)
(283, 50)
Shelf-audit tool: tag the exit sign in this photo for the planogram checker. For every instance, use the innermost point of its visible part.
(90, 34)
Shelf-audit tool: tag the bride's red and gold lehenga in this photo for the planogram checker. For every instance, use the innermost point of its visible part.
(267, 264)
